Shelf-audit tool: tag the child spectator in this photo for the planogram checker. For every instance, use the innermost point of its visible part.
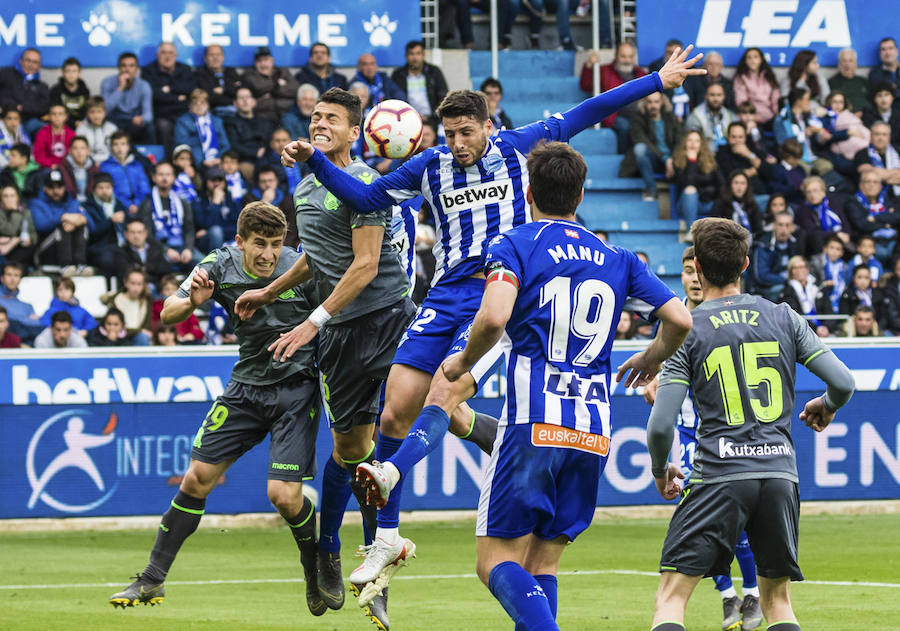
(71, 92)
(7, 338)
(865, 255)
(110, 331)
(805, 297)
(696, 177)
(187, 331)
(22, 172)
(64, 300)
(51, 144)
(746, 112)
(130, 182)
(187, 180)
(269, 191)
(848, 134)
(871, 213)
(820, 215)
(234, 180)
(831, 269)
(164, 335)
(96, 129)
(776, 204)
(78, 169)
(754, 81)
(134, 302)
(202, 131)
(18, 237)
(11, 132)
(62, 227)
(788, 175)
(60, 333)
(738, 203)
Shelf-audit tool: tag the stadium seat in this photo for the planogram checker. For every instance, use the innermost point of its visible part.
(88, 290)
(155, 153)
(37, 291)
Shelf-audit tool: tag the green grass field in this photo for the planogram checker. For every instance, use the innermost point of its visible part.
(62, 581)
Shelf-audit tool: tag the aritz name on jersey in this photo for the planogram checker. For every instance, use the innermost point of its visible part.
(734, 316)
(728, 449)
(488, 192)
(571, 253)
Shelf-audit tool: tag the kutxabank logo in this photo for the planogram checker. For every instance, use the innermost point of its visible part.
(74, 456)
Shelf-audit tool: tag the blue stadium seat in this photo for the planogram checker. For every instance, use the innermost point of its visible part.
(156, 153)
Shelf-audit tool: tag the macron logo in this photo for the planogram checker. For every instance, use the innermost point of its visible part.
(478, 195)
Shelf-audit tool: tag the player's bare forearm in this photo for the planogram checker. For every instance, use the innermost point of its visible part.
(675, 324)
(298, 273)
(176, 310)
(361, 272)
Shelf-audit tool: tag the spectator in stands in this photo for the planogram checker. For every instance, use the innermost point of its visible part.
(804, 73)
(287, 178)
(141, 252)
(820, 215)
(861, 324)
(274, 89)
(771, 255)
(78, 169)
(746, 112)
(18, 237)
(462, 17)
(219, 330)
(64, 300)
(187, 180)
(129, 100)
(23, 321)
(805, 297)
(215, 214)
(22, 172)
(794, 121)
(831, 270)
(7, 338)
(110, 331)
(12, 132)
(247, 132)
(296, 120)
(269, 190)
(71, 92)
(134, 301)
(656, 64)
(865, 255)
(220, 82)
(493, 93)
(381, 86)
(234, 180)
(169, 220)
(871, 213)
(21, 88)
(62, 227)
(777, 204)
(164, 335)
(847, 133)
(655, 133)
(882, 158)
(788, 175)
(755, 81)
(711, 118)
(622, 69)
(696, 87)
(60, 332)
(202, 131)
(319, 72)
(696, 178)
(423, 83)
(737, 155)
(861, 291)
(882, 110)
(172, 83)
(854, 87)
(51, 143)
(130, 182)
(738, 203)
(107, 215)
(96, 129)
(186, 331)
(889, 70)
(508, 10)
(891, 284)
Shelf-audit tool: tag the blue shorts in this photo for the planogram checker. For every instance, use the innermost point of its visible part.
(441, 328)
(548, 491)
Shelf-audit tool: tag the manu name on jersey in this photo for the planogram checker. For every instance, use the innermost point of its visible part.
(572, 289)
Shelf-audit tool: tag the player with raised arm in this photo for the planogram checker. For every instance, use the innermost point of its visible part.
(263, 397)
(557, 291)
(739, 361)
(736, 613)
(474, 188)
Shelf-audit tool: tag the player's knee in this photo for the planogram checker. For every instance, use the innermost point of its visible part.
(198, 482)
(286, 498)
(483, 569)
(394, 422)
(447, 395)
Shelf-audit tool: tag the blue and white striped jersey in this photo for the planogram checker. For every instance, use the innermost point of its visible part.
(403, 236)
(572, 288)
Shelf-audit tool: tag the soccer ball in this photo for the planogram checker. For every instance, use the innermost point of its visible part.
(393, 129)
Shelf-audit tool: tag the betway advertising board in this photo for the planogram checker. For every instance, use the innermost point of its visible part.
(97, 433)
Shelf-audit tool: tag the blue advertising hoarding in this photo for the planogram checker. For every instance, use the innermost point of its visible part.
(97, 31)
(780, 28)
(86, 434)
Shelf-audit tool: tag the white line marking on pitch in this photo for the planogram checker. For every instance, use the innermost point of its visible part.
(408, 577)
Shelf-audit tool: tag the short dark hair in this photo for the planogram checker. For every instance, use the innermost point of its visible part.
(674, 42)
(735, 124)
(414, 44)
(168, 279)
(71, 61)
(832, 238)
(64, 281)
(126, 55)
(22, 149)
(82, 139)
(96, 101)
(884, 86)
(791, 148)
(262, 218)
(886, 39)
(3, 311)
(862, 267)
(60, 316)
(491, 82)
(864, 309)
(347, 100)
(113, 312)
(556, 175)
(323, 45)
(865, 237)
(166, 163)
(463, 103)
(795, 95)
(688, 254)
(266, 168)
(14, 265)
(746, 107)
(721, 247)
(118, 135)
(231, 153)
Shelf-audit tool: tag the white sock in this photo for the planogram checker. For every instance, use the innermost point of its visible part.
(390, 535)
(751, 591)
(728, 593)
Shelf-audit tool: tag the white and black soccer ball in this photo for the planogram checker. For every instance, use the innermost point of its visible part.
(393, 129)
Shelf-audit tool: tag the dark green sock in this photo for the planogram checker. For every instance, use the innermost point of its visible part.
(483, 432)
(369, 513)
(178, 523)
(303, 524)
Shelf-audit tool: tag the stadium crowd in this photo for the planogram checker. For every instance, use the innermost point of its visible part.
(139, 182)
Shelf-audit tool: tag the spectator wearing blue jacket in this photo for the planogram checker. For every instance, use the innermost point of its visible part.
(771, 255)
(62, 227)
(130, 182)
(215, 213)
(381, 86)
(296, 120)
(201, 131)
(107, 215)
(65, 300)
(23, 321)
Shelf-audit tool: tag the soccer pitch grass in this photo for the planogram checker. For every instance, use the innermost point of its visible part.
(249, 579)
